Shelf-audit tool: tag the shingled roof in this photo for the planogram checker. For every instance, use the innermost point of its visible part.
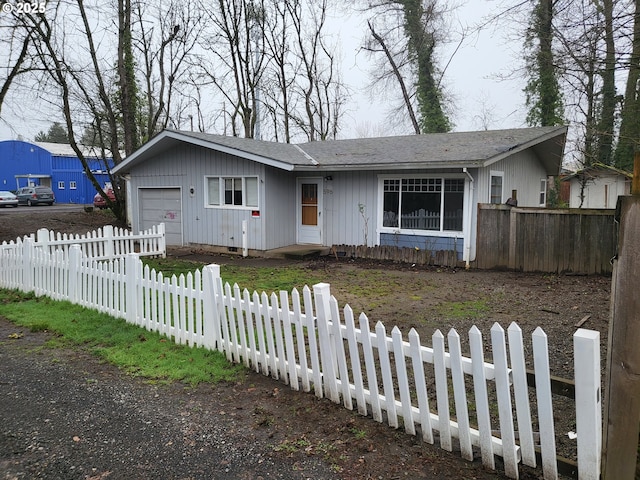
(441, 150)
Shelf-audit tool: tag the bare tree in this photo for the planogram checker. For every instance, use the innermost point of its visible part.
(408, 33)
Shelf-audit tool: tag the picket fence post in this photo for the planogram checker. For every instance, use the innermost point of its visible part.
(107, 236)
(28, 251)
(586, 357)
(131, 275)
(42, 239)
(75, 258)
(162, 242)
(322, 293)
(210, 317)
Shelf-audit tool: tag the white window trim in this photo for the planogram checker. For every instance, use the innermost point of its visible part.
(423, 233)
(544, 204)
(60, 185)
(222, 205)
(73, 185)
(496, 173)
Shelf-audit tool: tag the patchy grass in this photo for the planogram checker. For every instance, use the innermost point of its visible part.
(469, 309)
(131, 348)
(267, 279)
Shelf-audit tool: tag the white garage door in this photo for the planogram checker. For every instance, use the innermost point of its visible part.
(159, 205)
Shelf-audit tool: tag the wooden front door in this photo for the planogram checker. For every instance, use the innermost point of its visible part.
(310, 210)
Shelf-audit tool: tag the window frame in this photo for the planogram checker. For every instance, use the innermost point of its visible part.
(500, 174)
(441, 232)
(543, 192)
(244, 193)
(73, 185)
(61, 184)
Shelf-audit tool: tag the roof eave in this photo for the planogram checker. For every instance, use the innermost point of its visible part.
(143, 153)
(387, 166)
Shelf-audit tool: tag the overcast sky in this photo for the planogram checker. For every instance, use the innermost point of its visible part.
(471, 81)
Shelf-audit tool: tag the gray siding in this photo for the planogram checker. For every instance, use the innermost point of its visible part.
(187, 166)
(280, 208)
(522, 172)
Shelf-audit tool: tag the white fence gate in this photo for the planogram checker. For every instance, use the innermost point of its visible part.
(305, 341)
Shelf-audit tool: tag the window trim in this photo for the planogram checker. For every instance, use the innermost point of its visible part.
(543, 193)
(221, 192)
(73, 185)
(424, 233)
(61, 185)
(496, 173)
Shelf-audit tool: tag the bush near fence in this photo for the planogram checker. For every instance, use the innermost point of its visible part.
(306, 341)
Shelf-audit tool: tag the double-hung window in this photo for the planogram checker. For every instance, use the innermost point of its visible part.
(232, 192)
(431, 204)
(496, 187)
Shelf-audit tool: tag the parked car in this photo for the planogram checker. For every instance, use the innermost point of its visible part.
(35, 195)
(100, 202)
(8, 199)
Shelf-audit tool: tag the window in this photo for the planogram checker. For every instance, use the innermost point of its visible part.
(60, 185)
(495, 190)
(543, 192)
(232, 191)
(72, 185)
(434, 204)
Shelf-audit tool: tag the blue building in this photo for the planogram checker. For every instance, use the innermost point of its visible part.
(53, 165)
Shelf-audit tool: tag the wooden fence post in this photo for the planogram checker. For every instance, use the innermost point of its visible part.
(131, 272)
(210, 317)
(622, 410)
(586, 359)
(322, 293)
(75, 257)
(107, 241)
(28, 252)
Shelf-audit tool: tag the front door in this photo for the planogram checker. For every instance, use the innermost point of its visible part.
(309, 210)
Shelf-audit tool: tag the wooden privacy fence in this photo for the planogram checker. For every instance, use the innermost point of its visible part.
(106, 243)
(545, 240)
(306, 341)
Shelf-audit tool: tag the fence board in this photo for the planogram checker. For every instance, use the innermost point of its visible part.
(545, 407)
(481, 398)
(545, 240)
(509, 448)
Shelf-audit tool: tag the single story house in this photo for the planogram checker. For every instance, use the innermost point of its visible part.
(54, 165)
(417, 191)
(597, 186)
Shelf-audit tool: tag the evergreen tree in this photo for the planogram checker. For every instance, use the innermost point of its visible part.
(56, 134)
(543, 96)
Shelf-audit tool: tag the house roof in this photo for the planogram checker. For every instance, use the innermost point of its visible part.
(597, 169)
(440, 150)
(66, 150)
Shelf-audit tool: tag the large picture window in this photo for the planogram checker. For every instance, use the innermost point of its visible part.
(232, 191)
(433, 204)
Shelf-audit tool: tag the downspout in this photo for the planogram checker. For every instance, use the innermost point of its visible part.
(467, 241)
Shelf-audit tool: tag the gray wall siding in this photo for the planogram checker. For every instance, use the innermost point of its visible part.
(187, 166)
(279, 208)
(343, 222)
(522, 172)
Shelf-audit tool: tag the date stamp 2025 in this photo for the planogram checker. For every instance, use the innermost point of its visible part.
(20, 8)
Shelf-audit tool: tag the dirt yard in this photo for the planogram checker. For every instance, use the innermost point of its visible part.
(425, 298)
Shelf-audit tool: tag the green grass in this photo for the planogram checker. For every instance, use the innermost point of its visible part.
(466, 309)
(131, 348)
(267, 279)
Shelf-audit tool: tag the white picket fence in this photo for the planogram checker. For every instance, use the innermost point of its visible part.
(306, 341)
(106, 243)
